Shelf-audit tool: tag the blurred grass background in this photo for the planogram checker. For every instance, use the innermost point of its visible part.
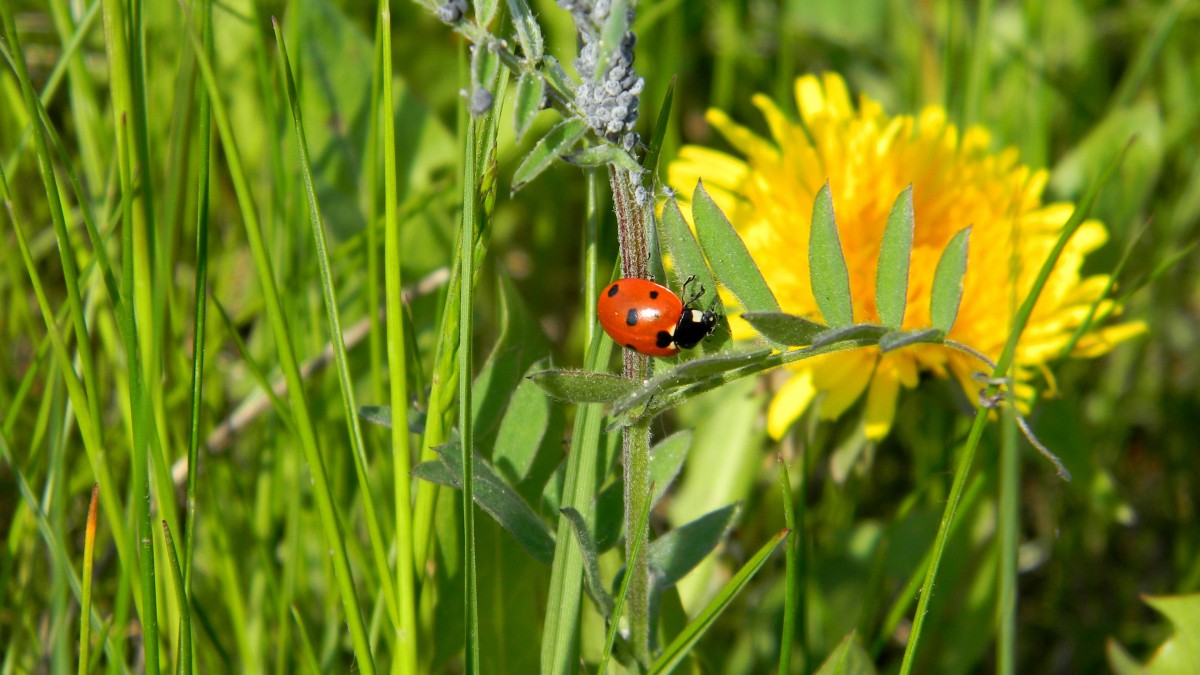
(1065, 82)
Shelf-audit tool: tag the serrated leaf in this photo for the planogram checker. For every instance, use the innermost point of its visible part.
(678, 552)
(591, 565)
(947, 290)
(577, 386)
(1181, 653)
(727, 255)
(531, 91)
(603, 154)
(683, 643)
(529, 31)
(785, 329)
(848, 659)
(557, 142)
(615, 27)
(891, 279)
(827, 266)
(666, 459)
(904, 338)
(498, 500)
(862, 331)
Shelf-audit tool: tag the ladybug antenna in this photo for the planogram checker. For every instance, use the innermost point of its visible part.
(696, 295)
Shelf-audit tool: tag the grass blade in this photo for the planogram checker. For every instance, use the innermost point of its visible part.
(333, 318)
(792, 607)
(619, 604)
(277, 320)
(183, 664)
(89, 560)
(683, 643)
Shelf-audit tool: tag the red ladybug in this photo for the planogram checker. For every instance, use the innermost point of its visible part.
(649, 319)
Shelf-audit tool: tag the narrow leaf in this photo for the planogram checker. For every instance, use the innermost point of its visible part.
(660, 129)
(678, 552)
(785, 329)
(591, 565)
(904, 338)
(826, 265)
(793, 607)
(531, 92)
(485, 11)
(577, 386)
(529, 31)
(891, 279)
(862, 331)
(948, 282)
(615, 27)
(677, 241)
(730, 260)
(499, 501)
(557, 142)
(521, 430)
(685, 641)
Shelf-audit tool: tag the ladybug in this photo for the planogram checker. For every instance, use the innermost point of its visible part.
(650, 319)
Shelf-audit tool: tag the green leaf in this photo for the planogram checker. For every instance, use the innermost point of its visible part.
(615, 27)
(521, 431)
(848, 659)
(660, 130)
(904, 338)
(496, 498)
(529, 31)
(603, 154)
(677, 552)
(1181, 653)
(578, 386)
(826, 265)
(862, 331)
(891, 279)
(948, 282)
(680, 245)
(485, 11)
(727, 255)
(531, 92)
(690, 372)
(556, 143)
(591, 565)
(666, 459)
(377, 414)
(785, 329)
(685, 641)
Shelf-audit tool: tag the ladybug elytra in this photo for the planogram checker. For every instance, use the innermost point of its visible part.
(648, 318)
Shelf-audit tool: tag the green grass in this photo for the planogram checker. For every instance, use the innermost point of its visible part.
(324, 188)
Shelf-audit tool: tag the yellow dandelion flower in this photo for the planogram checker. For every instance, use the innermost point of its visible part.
(868, 158)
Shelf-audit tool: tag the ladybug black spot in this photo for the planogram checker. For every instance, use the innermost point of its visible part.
(663, 339)
(613, 290)
(653, 295)
(631, 318)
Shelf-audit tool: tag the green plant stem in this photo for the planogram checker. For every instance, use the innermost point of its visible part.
(1006, 587)
(591, 252)
(635, 441)
(472, 179)
(1001, 370)
(184, 663)
(406, 647)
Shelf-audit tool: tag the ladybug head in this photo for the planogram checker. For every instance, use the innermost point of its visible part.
(694, 325)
